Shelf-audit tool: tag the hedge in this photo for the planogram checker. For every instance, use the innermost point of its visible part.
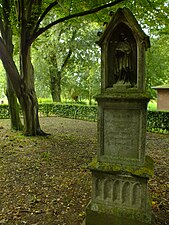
(75, 111)
(157, 121)
(4, 112)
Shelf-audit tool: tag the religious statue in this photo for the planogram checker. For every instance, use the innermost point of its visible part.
(123, 62)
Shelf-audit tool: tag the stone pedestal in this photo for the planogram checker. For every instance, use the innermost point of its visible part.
(121, 171)
(119, 195)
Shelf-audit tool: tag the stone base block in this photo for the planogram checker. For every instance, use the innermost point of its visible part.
(115, 218)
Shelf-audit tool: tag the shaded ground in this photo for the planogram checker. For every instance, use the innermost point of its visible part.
(44, 181)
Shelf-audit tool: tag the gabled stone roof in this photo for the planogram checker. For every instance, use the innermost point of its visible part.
(124, 15)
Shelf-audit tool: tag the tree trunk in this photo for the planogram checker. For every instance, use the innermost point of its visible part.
(28, 99)
(7, 38)
(55, 85)
(13, 107)
(23, 83)
(29, 106)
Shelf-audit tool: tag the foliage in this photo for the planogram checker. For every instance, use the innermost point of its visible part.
(4, 111)
(82, 76)
(68, 50)
(157, 63)
(158, 121)
(152, 15)
(152, 105)
(75, 111)
(44, 100)
(77, 77)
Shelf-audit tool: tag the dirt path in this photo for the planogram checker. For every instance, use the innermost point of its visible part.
(44, 180)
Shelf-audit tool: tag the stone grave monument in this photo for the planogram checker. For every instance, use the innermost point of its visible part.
(121, 171)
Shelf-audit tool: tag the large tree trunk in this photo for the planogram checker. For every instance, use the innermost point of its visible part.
(28, 99)
(23, 82)
(30, 112)
(55, 85)
(13, 107)
(7, 38)
(12, 99)
(24, 87)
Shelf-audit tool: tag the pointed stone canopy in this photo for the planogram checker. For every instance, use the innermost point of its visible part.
(124, 15)
(124, 23)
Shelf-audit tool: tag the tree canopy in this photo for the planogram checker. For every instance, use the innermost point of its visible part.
(24, 21)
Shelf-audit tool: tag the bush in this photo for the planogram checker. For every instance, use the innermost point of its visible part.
(75, 111)
(157, 121)
(4, 111)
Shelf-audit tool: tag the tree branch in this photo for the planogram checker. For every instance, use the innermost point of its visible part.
(45, 13)
(66, 60)
(69, 53)
(29, 4)
(10, 67)
(20, 8)
(80, 14)
(2, 27)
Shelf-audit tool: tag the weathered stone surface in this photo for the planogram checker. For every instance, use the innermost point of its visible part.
(122, 129)
(123, 30)
(121, 190)
(125, 217)
(146, 170)
(121, 171)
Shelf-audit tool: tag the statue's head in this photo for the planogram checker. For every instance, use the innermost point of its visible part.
(123, 37)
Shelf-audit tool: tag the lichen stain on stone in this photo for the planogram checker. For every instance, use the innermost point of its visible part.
(144, 171)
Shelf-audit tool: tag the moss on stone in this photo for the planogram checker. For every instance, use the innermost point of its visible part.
(147, 170)
(131, 94)
(115, 215)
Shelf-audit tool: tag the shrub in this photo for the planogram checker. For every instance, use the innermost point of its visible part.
(157, 121)
(4, 111)
(75, 111)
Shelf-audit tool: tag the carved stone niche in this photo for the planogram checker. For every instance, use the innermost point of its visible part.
(123, 45)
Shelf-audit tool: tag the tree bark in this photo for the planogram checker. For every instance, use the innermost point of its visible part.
(24, 87)
(55, 85)
(56, 74)
(13, 107)
(6, 32)
(28, 99)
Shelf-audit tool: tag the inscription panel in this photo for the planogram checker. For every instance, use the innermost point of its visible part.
(121, 133)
